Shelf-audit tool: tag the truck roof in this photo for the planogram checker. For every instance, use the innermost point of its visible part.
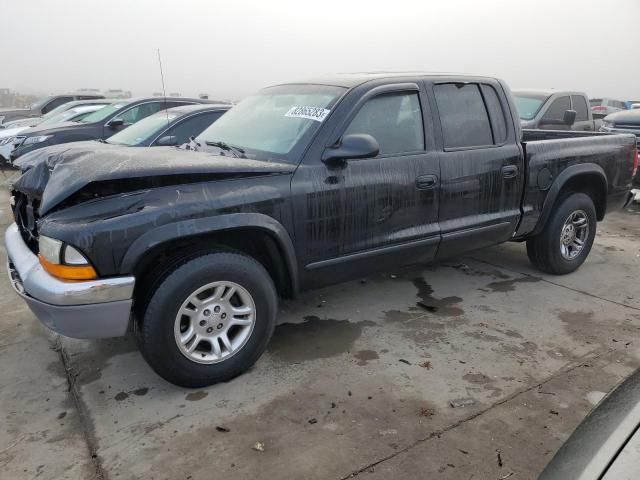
(547, 92)
(350, 80)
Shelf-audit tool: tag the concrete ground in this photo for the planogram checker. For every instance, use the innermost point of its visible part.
(477, 368)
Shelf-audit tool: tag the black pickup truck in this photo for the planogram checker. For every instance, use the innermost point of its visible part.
(298, 186)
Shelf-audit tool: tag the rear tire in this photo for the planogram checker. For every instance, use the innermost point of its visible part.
(566, 240)
(192, 335)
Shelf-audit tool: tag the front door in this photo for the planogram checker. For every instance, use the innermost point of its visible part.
(385, 208)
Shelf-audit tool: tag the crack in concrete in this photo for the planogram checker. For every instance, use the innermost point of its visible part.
(101, 474)
(592, 295)
(585, 359)
(83, 412)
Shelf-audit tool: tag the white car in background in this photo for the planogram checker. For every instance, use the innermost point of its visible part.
(74, 114)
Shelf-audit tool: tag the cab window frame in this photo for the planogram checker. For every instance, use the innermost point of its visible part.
(480, 85)
(122, 112)
(557, 99)
(408, 87)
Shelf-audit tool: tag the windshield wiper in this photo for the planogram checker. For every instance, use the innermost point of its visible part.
(227, 147)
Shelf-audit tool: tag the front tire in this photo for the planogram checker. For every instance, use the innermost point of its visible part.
(566, 240)
(209, 320)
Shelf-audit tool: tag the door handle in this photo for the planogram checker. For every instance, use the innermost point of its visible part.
(510, 171)
(424, 182)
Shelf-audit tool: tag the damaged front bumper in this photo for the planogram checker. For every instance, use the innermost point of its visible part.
(81, 309)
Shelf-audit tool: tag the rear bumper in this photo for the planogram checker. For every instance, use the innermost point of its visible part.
(85, 309)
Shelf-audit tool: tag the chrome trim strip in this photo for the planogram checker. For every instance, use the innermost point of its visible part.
(373, 252)
(40, 285)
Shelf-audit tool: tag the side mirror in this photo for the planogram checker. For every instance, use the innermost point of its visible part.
(353, 145)
(569, 117)
(167, 141)
(115, 123)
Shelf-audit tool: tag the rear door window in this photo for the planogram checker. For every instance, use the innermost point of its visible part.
(463, 115)
(580, 106)
(557, 108)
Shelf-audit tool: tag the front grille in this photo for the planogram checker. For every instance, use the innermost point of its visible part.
(14, 276)
(25, 212)
(627, 126)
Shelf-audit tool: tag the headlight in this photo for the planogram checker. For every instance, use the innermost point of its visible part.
(37, 139)
(64, 261)
(608, 124)
(50, 249)
(6, 140)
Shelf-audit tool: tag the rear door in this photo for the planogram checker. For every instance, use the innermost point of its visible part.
(579, 104)
(481, 165)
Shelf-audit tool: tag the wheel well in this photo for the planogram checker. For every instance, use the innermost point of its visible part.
(590, 184)
(254, 242)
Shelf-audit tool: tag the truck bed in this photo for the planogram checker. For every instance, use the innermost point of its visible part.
(552, 153)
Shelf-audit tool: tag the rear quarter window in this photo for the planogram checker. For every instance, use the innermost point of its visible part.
(496, 113)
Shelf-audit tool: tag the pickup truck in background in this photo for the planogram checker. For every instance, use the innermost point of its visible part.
(554, 110)
(298, 186)
(41, 107)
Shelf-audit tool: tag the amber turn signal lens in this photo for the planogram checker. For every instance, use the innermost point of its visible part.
(68, 272)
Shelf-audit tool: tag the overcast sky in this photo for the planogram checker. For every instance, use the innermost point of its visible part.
(229, 49)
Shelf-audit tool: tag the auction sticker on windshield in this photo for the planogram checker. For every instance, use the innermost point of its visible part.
(312, 113)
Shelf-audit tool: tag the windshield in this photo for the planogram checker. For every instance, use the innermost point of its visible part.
(275, 121)
(594, 102)
(528, 105)
(142, 130)
(103, 113)
(73, 114)
(39, 103)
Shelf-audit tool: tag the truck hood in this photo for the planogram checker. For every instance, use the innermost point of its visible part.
(630, 117)
(54, 174)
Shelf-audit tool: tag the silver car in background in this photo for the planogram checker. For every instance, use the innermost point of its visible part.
(605, 106)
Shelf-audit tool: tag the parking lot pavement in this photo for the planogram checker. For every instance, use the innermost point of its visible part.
(40, 427)
(475, 368)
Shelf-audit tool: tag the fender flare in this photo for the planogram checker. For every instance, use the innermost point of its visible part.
(556, 187)
(220, 223)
